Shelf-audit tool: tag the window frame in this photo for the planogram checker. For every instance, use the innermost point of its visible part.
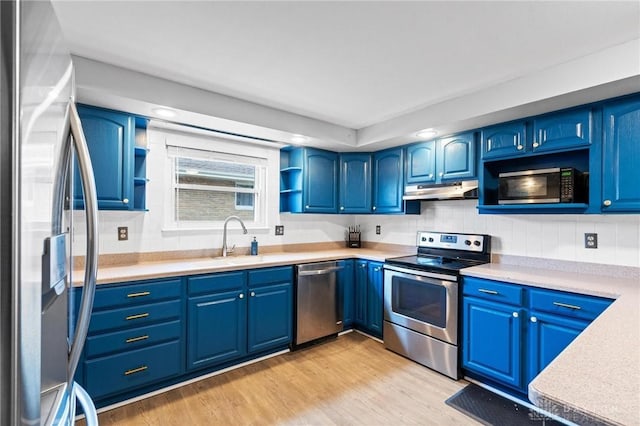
(263, 155)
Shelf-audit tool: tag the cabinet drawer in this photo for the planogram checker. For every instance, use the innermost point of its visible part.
(568, 304)
(132, 369)
(131, 294)
(492, 290)
(134, 316)
(134, 338)
(215, 282)
(271, 275)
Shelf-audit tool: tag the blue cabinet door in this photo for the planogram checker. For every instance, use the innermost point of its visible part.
(360, 293)
(421, 163)
(374, 298)
(347, 290)
(562, 130)
(388, 181)
(504, 140)
(110, 138)
(355, 183)
(216, 330)
(621, 156)
(320, 186)
(270, 316)
(491, 346)
(548, 336)
(456, 157)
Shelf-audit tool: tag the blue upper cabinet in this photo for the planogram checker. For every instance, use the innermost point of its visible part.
(504, 140)
(456, 159)
(560, 131)
(308, 181)
(421, 162)
(110, 137)
(388, 185)
(355, 183)
(320, 185)
(621, 156)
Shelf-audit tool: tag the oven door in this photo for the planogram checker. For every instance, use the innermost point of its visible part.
(423, 302)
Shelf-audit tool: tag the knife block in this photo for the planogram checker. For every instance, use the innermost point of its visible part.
(353, 239)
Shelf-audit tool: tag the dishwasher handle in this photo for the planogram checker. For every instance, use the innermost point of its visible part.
(322, 271)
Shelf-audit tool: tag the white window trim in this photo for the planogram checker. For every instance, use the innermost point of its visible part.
(179, 138)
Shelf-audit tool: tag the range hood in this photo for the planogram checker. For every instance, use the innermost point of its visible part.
(445, 191)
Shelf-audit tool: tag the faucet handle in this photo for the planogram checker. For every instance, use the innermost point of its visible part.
(230, 250)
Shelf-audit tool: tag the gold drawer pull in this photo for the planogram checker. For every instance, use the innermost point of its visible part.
(137, 339)
(135, 370)
(142, 293)
(132, 317)
(482, 290)
(565, 305)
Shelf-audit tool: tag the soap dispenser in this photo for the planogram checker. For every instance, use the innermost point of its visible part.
(254, 247)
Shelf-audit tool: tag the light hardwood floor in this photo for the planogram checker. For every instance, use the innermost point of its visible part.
(352, 380)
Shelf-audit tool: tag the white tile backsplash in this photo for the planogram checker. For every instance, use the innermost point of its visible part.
(545, 236)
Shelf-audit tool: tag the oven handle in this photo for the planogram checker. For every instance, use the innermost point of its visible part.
(418, 273)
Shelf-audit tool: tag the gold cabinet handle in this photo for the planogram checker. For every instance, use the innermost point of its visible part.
(138, 316)
(140, 294)
(482, 290)
(566, 305)
(607, 203)
(125, 201)
(135, 370)
(137, 339)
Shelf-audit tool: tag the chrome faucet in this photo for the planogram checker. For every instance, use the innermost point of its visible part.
(225, 250)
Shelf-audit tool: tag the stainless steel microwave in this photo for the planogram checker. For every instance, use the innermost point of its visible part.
(553, 185)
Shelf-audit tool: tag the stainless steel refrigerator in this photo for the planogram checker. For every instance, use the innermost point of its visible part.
(40, 135)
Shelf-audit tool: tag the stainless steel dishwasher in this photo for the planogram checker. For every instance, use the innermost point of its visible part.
(318, 304)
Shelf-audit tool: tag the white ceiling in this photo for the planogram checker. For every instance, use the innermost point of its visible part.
(351, 63)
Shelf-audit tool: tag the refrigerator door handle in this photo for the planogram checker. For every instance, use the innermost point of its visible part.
(90, 413)
(91, 261)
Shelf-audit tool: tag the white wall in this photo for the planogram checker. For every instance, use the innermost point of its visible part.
(545, 236)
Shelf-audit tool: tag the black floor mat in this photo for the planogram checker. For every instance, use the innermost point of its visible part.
(491, 409)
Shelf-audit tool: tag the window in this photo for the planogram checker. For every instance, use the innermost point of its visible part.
(209, 190)
(210, 181)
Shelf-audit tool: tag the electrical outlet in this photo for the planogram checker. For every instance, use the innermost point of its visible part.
(279, 229)
(123, 233)
(590, 240)
(377, 229)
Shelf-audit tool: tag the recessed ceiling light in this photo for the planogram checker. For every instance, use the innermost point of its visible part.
(427, 133)
(299, 139)
(164, 112)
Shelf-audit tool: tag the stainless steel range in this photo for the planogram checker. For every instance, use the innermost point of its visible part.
(421, 298)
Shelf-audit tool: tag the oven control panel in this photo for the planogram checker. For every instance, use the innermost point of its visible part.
(465, 242)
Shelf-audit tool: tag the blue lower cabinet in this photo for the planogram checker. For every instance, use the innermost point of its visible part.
(491, 341)
(270, 317)
(117, 373)
(548, 336)
(368, 297)
(216, 330)
(374, 298)
(510, 333)
(360, 294)
(253, 316)
(346, 289)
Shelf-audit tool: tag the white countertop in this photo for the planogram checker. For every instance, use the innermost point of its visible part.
(173, 268)
(598, 374)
